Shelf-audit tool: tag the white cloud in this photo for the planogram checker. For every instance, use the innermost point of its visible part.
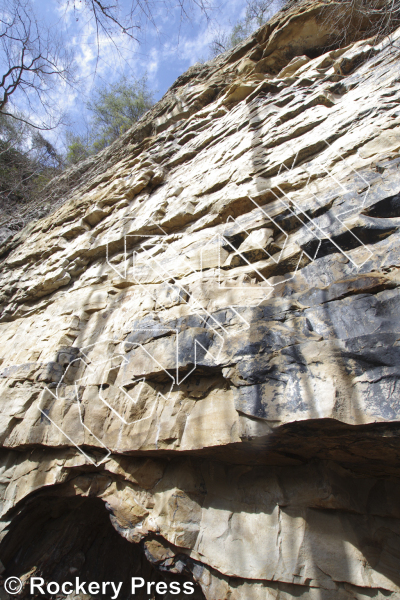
(164, 52)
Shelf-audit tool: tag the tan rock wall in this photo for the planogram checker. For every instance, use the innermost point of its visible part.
(205, 335)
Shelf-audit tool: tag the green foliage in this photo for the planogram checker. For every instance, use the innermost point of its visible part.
(240, 32)
(114, 108)
(257, 13)
(77, 149)
(364, 18)
(28, 161)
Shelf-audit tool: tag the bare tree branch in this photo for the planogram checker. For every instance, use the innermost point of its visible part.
(363, 18)
(257, 13)
(110, 19)
(34, 60)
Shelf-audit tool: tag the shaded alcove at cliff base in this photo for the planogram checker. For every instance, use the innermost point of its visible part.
(60, 539)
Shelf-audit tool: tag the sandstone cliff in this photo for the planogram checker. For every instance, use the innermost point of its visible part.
(204, 338)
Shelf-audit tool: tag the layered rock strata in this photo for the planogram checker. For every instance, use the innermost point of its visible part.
(204, 339)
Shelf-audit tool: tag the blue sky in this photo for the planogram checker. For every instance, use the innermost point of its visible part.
(163, 52)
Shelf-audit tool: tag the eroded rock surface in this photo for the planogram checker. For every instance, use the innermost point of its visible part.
(204, 339)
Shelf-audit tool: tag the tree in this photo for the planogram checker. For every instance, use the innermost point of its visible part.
(367, 17)
(257, 13)
(28, 161)
(77, 148)
(115, 17)
(34, 60)
(357, 18)
(114, 109)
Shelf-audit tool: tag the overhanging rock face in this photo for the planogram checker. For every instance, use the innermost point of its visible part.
(205, 337)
